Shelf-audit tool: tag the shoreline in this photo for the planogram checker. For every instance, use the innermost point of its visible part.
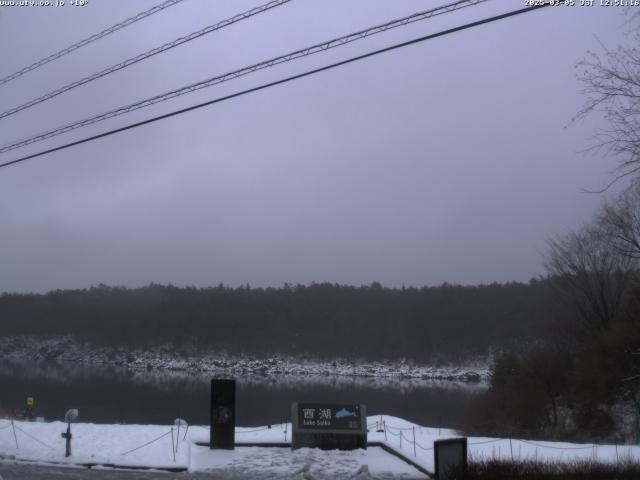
(64, 350)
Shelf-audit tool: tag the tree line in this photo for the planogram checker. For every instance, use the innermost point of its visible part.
(324, 320)
(584, 380)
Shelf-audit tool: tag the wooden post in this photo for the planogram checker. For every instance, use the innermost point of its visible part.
(67, 437)
(15, 437)
(173, 450)
(414, 442)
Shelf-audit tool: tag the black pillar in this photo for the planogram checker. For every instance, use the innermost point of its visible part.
(223, 414)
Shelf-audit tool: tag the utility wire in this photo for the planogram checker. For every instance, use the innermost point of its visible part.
(88, 40)
(336, 42)
(145, 55)
(281, 81)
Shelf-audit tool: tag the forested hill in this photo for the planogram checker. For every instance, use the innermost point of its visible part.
(322, 320)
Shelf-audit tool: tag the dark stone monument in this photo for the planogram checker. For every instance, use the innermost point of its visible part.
(450, 455)
(223, 414)
(329, 426)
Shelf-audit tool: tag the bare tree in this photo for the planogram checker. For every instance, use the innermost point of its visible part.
(591, 274)
(620, 222)
(612, 84)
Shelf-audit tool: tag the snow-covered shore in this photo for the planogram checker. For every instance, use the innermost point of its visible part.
(165, 358)
(154, 446)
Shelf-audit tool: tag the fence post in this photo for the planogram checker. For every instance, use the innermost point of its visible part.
(173, 450)
(15, 437)
(414, 442)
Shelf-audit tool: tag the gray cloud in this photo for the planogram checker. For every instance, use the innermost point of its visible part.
(445, 161)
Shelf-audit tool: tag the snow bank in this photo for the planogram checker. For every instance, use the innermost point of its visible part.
(155, 446)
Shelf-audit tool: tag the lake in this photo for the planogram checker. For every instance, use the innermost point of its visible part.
(112, 395)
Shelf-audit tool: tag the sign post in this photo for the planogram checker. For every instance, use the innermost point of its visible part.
(70, 417)
(29, 407)
(329, 426)
(223, 414)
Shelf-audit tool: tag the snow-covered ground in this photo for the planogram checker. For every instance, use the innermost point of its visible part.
(155, 446)
(68, 350)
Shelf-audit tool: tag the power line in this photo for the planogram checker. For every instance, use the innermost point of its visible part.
(88, 40)
(281, 81)
(321, 47)
(145, 55)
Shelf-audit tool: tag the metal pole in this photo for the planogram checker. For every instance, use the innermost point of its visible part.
(178, 437)
(511, 448)
(384, 423)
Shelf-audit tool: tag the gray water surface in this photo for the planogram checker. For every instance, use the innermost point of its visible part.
(108, 395)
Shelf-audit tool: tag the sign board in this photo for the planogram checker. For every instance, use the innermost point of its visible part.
(450, 456)
(223, 414)
(71, 415)
(30, 402)
(316, 416)
(329, 426)
(180, 422)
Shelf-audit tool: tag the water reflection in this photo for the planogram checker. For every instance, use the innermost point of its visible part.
(108, 395)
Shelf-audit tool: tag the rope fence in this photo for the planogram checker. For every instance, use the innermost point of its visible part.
(255, 430)
(426, 449)
(32, 437)
(557, 448)
(484, 442)
(148, 443)
(400, 433)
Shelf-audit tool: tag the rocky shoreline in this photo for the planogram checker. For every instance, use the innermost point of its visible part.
(70, 350)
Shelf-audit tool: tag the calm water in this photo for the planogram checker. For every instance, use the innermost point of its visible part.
(106, 395)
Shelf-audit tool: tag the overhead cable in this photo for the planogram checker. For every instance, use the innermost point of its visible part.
(278, 82)
(320, 47)
(145, 55)
(88, 40)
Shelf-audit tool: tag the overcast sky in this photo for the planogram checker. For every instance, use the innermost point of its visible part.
(446, 161)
